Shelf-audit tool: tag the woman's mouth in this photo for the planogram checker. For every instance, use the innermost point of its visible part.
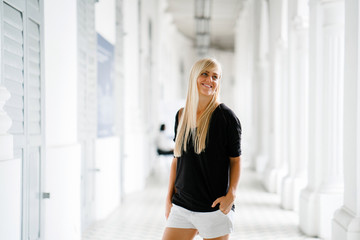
(205, 85)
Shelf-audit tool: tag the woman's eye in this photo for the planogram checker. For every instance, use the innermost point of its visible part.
(214, 77)
(204, 74)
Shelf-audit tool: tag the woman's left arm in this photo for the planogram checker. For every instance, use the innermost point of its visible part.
(227, 201)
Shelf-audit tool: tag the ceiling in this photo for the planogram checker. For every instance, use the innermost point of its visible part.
(223, 17)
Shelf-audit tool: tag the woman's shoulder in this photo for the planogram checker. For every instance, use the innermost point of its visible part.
(224, 109)
(226, 114)
(179, 114)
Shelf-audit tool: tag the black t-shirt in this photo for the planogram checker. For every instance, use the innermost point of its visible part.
(202, 178)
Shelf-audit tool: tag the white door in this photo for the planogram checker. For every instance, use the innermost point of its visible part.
(22, 76)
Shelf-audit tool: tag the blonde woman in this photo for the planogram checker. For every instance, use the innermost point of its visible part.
(206, 167)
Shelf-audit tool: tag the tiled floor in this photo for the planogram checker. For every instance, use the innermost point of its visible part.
(258, 215)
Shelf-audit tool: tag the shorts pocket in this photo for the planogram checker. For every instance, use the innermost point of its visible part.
(229, 217)
(224, 213)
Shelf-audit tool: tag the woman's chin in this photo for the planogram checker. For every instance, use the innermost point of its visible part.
(206, 92)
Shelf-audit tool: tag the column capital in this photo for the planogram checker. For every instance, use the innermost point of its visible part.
(333, 12)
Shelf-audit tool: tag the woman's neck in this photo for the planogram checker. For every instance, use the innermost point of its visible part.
(203, 103)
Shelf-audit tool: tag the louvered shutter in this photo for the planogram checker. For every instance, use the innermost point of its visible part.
(13, 65)
(22, 77)
(34, 126)
(34, 79)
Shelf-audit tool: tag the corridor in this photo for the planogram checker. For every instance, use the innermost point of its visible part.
(86, 86)
(258, 215)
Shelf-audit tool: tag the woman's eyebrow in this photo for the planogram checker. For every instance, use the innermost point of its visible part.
(209, 72)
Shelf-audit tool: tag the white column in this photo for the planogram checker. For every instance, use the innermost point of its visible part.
(346, 222)
(134, 131)
(262, 86)
(308, 209)
(323, 194)
(297, 99)
(244, 45)
(276, 166)
(256, 88)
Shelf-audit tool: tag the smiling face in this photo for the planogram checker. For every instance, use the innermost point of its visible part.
(208, 81)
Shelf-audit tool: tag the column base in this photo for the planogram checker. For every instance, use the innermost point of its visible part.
(291, 187)
(309, 212)
(345, 226)
(329, 202)
(251, 162)
(261, 161)
(316, 211)
(269, 180)
(273, 178)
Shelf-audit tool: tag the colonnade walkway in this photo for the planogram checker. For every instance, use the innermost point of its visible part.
(258, 215)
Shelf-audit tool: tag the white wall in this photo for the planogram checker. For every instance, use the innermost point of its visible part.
(105, 19)
(169, 50)
(63, 154)
(107, 180)
(63, 182)
(60, 72)
(175, 57)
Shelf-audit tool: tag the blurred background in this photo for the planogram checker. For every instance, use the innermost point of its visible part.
(86, 84)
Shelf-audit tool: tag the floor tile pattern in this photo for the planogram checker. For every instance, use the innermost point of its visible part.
(258, 215)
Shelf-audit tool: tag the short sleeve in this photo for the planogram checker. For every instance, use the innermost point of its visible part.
(234, 135)
(176, 124)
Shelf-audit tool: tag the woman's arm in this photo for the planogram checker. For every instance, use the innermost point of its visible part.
(227, 201)
(171, 188)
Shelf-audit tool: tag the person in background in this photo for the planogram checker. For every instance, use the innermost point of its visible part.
(205, 169)
(165, 146)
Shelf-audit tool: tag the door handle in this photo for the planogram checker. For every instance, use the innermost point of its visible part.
(45, 195)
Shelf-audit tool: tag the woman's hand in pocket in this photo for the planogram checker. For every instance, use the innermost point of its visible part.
(168, 206)
(225, 203)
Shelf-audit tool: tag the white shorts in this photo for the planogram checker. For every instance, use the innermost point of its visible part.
(209, 224)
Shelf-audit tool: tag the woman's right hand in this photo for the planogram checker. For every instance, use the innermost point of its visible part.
(168, 206)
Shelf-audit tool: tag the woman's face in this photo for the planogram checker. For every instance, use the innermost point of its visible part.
(208, 82)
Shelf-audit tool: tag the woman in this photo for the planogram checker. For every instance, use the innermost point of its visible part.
(206, 167)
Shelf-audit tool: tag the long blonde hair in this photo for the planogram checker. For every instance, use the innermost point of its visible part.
(188, 126)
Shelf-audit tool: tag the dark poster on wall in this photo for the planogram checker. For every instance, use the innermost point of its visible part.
(105, 92)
